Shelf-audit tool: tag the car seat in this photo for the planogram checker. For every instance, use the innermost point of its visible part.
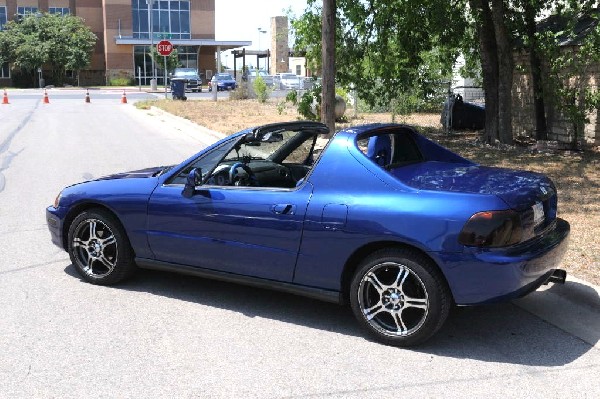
(379, 149)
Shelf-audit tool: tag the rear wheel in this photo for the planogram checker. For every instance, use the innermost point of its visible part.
(399, 297)
(99, 248)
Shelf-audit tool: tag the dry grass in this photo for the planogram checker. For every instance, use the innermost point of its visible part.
(576, 175)
(227, 116)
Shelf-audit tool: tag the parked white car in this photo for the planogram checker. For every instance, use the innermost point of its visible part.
(263, 74)
(289, 81)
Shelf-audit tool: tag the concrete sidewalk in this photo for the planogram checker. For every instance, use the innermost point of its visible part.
(573, 307)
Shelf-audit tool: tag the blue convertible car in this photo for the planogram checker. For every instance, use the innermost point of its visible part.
(380, 217)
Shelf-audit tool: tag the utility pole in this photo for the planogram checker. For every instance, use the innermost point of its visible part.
(151, 34)
(328, 62)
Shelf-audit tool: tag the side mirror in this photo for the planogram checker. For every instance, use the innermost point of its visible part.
(194, 179)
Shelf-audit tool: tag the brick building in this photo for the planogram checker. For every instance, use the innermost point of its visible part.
(122, 28)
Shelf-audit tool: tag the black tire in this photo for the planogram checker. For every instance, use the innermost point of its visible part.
(99, 248)
(404, 294)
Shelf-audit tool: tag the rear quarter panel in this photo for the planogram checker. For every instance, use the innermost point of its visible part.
(369, 205)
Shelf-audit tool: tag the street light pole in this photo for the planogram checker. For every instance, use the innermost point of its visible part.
(260, 30)
(151, 33)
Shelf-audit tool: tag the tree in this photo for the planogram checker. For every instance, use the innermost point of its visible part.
(382, 45)
(328, 61)
(531, 10)
(60, 42)
(172, 59)
(497, 64)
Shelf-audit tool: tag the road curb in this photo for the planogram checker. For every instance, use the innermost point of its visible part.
(573, 307)
(186, 124)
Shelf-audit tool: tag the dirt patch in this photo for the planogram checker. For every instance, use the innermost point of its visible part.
(576, 175)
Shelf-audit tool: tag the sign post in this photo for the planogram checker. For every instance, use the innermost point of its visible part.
(165, 48)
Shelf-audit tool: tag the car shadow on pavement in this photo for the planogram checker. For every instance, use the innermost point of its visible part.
(495, 333)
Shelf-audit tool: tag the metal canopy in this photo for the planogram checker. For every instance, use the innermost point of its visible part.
(224, 45)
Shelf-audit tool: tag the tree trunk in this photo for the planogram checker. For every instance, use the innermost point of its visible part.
(328, 62)
(505, 72)
(540, 124)
(489, 66)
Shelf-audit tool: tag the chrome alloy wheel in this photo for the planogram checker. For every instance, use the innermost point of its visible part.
(393, 299)
(95, 248)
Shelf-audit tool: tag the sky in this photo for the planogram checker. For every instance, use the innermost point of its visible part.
(239, 20)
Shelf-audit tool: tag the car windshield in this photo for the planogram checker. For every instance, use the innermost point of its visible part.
(288, 76)
(264, 148)
(224, 77)
(185, 72)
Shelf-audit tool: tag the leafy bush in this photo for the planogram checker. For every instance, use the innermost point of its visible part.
(261, 89)
(309, 103)
(241, 92)
(340, 91)
(120, 82)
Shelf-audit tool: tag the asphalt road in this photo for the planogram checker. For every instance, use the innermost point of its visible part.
(163, 335)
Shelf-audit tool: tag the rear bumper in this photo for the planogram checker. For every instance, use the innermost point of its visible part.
(495, 275)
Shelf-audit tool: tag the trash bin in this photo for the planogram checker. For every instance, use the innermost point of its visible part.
(178, 88)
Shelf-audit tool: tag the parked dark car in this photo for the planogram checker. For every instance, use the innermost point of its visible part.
(223, 81)
(193, 79)
(463, 115)
(382, 218)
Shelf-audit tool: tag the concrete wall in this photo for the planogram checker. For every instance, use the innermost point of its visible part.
(279, 45)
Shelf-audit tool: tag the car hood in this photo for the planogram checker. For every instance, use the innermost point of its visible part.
(518, 189)
(148, 172)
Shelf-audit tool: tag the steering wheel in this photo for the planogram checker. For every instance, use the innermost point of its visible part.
(248, 180)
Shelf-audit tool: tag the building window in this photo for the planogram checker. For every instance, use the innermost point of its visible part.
(2, 16)
(59, 10)
(170, 19)
(26, 10)
(5, 71)
(188, 56)
(299, 70)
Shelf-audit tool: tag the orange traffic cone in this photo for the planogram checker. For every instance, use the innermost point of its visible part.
(5, 99)
(87, 96)
(46, 99)
(124, 98)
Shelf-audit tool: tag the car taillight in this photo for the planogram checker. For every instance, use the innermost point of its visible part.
(492, 229)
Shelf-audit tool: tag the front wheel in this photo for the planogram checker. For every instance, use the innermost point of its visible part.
(99, 248)
(399, 297)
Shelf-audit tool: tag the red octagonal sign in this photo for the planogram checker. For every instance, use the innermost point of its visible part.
(164, 47)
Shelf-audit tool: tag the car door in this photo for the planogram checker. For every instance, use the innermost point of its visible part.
(244, 230)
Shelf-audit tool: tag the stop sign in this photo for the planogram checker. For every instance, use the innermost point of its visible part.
(164, 47)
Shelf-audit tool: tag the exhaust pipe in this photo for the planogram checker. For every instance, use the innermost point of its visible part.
(558, 277)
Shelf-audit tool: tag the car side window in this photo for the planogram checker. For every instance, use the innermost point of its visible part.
(390, 150)
(405, 150)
